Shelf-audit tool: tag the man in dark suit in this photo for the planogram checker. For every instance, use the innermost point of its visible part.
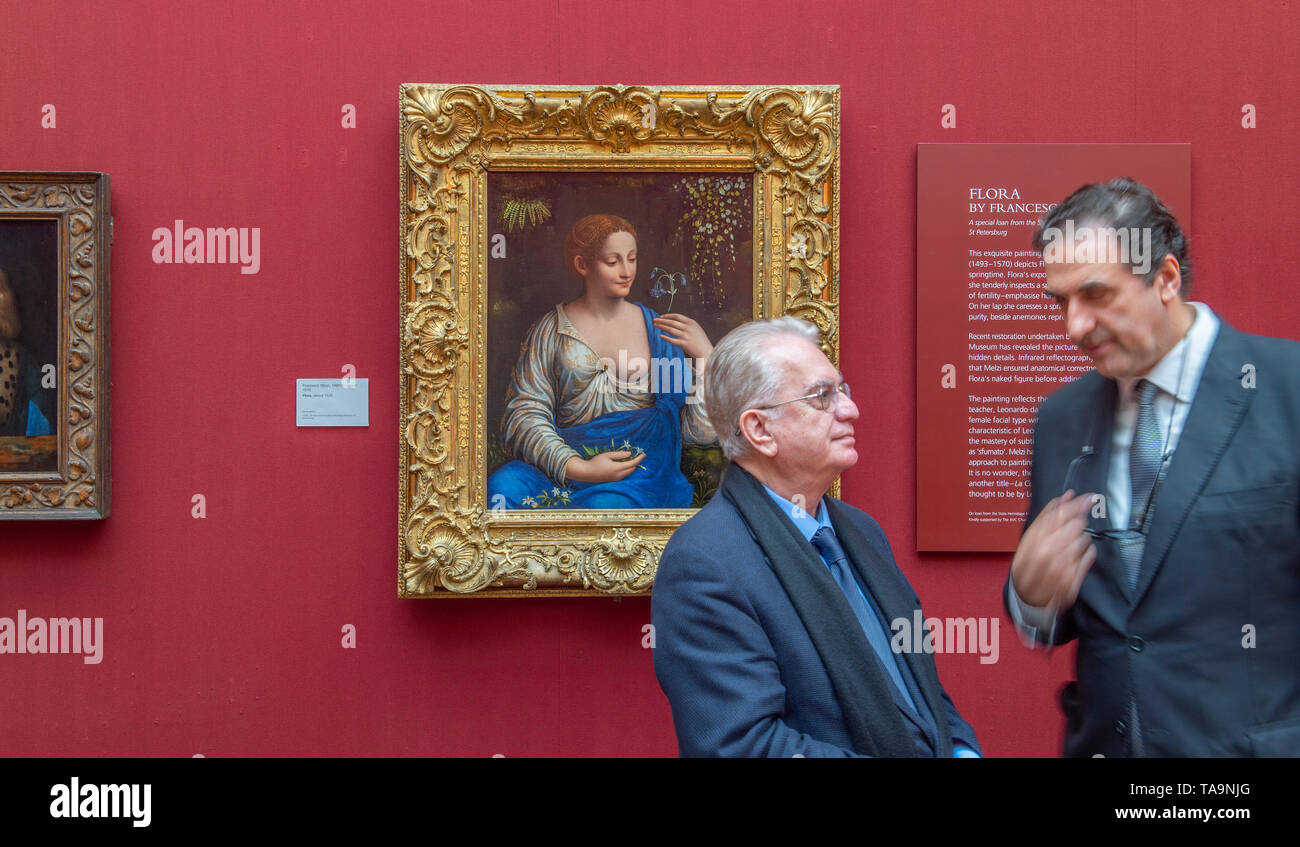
(1163, 529)
(773, 605)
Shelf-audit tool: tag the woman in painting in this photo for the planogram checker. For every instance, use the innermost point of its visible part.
(604, 391)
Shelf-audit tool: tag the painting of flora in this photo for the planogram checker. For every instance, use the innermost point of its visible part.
(606, 292)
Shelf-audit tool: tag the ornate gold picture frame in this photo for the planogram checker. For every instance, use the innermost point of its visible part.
(479, 166)
(55, 233)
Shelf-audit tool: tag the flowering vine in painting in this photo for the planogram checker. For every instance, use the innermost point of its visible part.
(715, 208)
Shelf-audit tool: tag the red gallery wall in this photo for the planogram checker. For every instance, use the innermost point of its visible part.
(222, 635)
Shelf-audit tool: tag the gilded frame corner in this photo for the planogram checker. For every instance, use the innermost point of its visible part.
(450, 543)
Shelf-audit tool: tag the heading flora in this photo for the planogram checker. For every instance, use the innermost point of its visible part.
(1005, 194)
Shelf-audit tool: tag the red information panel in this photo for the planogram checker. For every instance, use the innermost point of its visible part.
(990, 344)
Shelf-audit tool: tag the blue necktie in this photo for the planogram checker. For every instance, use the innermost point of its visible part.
(832, 552)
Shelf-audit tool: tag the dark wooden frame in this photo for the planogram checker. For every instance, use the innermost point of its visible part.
(79, 485)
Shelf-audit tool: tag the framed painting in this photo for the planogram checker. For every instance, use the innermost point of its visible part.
(568, 258)
(55, 233)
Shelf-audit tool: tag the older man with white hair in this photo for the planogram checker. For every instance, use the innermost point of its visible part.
(772, 605)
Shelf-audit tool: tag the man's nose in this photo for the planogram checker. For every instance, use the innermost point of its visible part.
(1079, 321)
(846, 409)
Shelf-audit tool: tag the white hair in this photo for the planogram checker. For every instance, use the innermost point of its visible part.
(740, 375)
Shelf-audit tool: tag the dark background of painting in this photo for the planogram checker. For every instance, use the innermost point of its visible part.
(29, 254)
(223, 634)
(531, 278)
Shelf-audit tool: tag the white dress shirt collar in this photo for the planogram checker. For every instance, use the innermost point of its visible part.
(1179, 371)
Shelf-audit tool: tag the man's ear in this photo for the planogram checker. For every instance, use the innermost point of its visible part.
(753, 428)
(1168, 279)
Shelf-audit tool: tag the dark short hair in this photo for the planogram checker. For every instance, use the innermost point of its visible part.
(1124, 203)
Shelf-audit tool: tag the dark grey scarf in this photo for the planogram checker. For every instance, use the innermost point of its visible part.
(862, 686)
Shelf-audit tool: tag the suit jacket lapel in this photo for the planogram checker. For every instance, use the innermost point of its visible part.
(1221, 403)
(1104, 415)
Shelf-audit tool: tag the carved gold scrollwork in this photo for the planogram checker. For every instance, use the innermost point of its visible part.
(619, 116)
(441, 124)
(435, 337)
(800, 128)
(452, 541)
(442, 556)
(619, 561)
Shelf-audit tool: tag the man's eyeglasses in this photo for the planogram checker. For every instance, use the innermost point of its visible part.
(827, 397)
(1139, 530)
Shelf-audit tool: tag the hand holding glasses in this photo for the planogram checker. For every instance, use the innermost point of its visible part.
(1137, 529)
(1055, 553)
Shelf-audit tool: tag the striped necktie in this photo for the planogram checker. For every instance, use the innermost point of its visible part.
(1144, 461)
(1143, 466)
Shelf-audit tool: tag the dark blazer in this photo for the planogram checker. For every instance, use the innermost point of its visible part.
(1210, 639)
(736, 661)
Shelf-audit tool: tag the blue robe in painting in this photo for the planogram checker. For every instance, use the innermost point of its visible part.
(562, 401)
